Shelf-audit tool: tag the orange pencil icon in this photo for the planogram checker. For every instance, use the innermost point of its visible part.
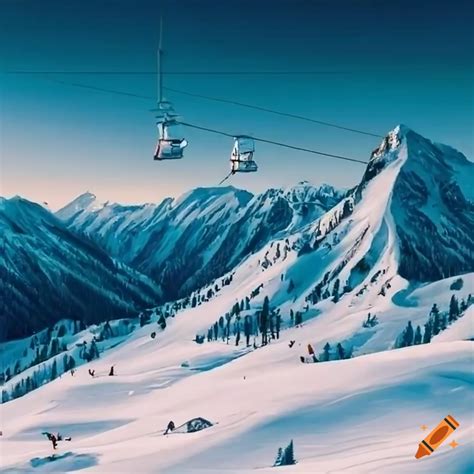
(436, 437)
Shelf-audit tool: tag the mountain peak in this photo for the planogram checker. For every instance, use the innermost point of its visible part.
(84, 201)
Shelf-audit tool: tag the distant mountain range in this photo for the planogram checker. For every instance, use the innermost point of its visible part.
(184, 243)
(410, 219)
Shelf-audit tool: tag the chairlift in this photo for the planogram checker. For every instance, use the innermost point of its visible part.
(241, 159)
(171, 142)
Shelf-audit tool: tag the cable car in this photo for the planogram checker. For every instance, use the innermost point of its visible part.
(241, 159)
(171, 142)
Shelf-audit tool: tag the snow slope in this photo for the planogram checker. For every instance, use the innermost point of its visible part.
(184, 243)
(357, 415)
(381, 251)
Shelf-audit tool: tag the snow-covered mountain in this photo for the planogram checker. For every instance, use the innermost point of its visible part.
(184, 243)
(393, 258)
(49, 273)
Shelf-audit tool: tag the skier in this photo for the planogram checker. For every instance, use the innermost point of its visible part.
(55, 438)
(291, 344)
(111, 373)
(170, 427)
(91, 373)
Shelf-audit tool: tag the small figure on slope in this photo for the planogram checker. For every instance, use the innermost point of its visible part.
(170, 427)
(111, 372)
(55, 438)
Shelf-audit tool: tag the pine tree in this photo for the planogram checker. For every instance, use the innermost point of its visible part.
(427, 333)
(408, 339)
(65, 363)
(61, 330)
(193, 301)
(43, 353)
(435, 320)
(417, 339)
(340, 351)
(291, 286)
(5, 396)
(292, 317)
(162, 322)
(279, 457)
(326, 354)
(443, 321)
(289, 455)
(93, 351)
(335, 291)
(54, 370)
(453, 309)
(28, 385)
(54, 347)
(278, 325)
(264, 320)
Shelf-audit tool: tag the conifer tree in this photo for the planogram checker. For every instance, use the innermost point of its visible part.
(326, 354)
(162, 322)
(417, 339)
(61, 330)
(279, 457)
(264, 315)
(289, 455)
(335, 290)
(54, 370)
(453, 309)
(65, 363)
(408, 339)
(435, 320)
(340, 351)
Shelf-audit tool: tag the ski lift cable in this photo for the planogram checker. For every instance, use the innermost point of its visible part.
(175, 73)
(276, 112)
(216, 99)
(272, 142)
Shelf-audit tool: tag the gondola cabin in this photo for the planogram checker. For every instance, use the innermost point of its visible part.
(241, 159)
(171, 142)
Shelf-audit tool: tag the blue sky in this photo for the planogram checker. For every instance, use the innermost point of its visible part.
(390, 62)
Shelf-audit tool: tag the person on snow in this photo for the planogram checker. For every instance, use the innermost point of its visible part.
(92, 373)
(111, 372)
(170, 427)
(55, 438)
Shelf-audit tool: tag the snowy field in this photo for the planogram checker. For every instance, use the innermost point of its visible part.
(358, 415)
